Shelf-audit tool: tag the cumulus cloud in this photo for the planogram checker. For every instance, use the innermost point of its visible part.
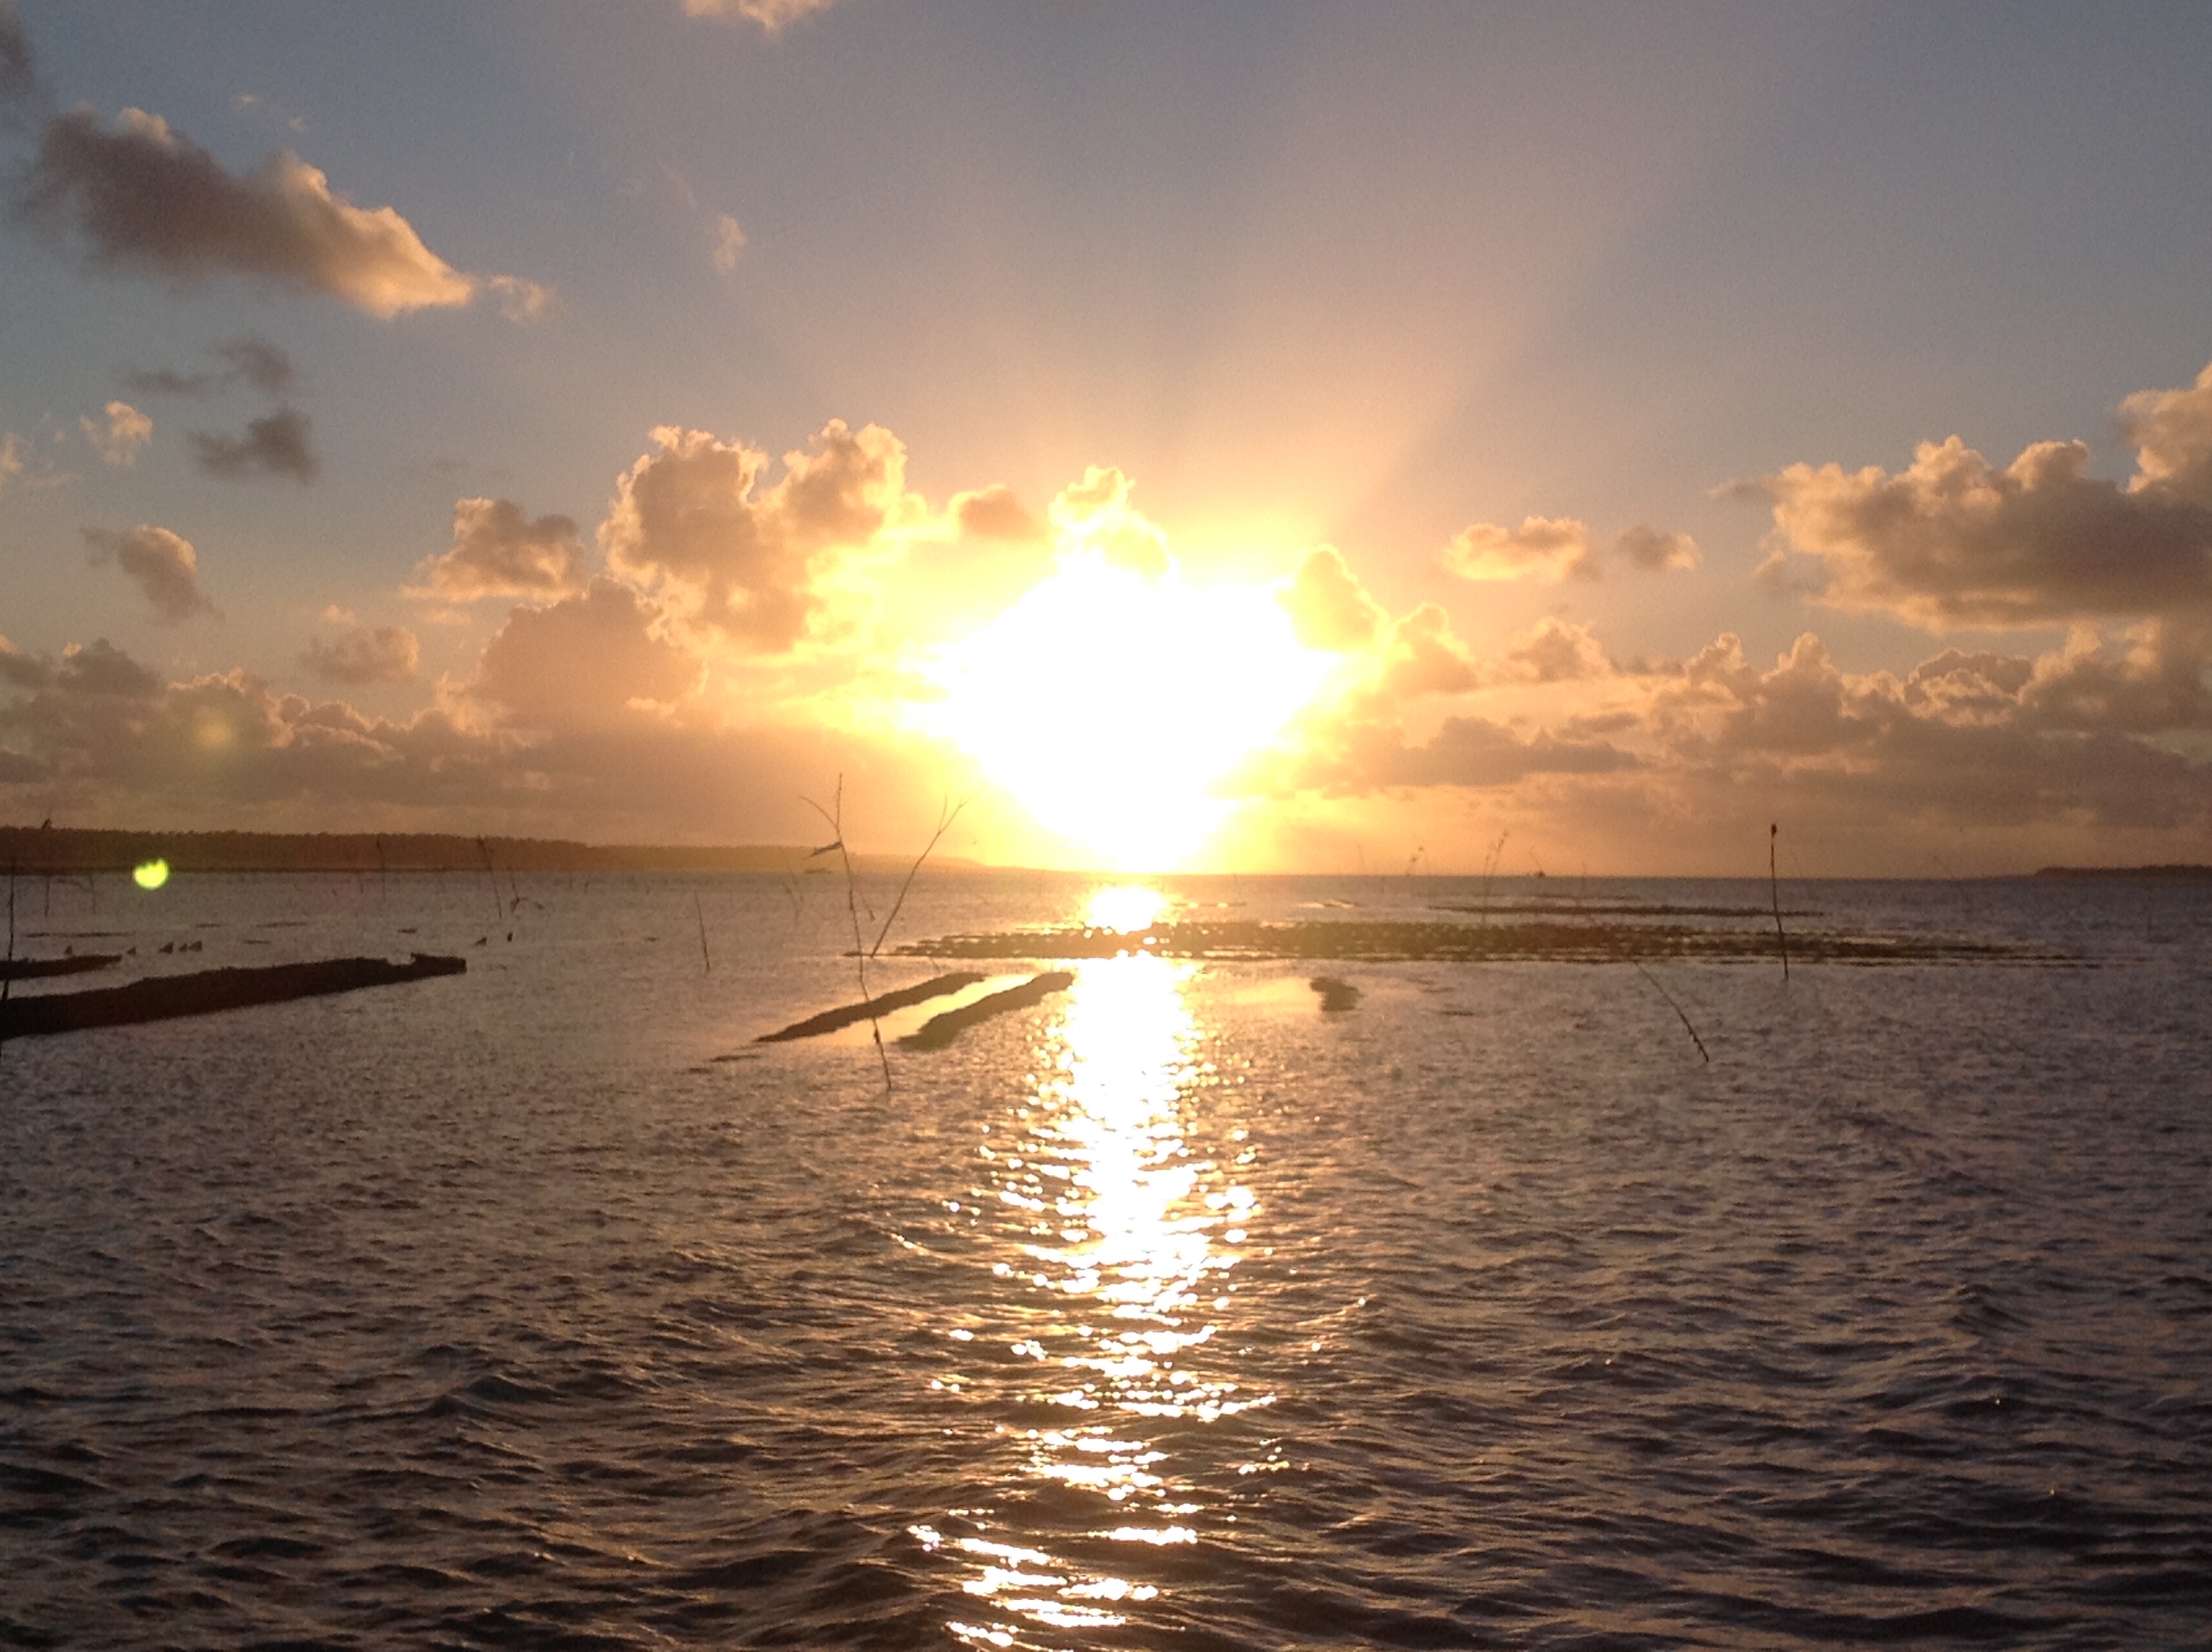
(1357, 757)
(729, 243)
(1953, 540)
(772, 15)
(687, 522)
(1424, 657)
(588, 661)
(357, 655)
(1542, 548)
(1554, 549)
(1551, 651)
(1094, 515)
(143, 199)
(255, 362)
(498, 551)
(161, 564)
(1656, 550)
(1329, 608)
(276, 445)
(11, 460)
(117, 439)
(993, 512)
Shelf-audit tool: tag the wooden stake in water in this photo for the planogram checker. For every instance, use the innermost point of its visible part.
(704, 957)
(1774, 888)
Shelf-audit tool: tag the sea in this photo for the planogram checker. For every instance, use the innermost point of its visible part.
(1590, 1303)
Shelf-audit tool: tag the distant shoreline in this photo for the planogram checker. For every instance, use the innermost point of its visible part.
(33, 851)
(2174, 874)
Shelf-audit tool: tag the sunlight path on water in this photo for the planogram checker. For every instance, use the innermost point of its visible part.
(1120, 1240)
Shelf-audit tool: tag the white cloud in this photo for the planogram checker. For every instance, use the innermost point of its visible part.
(729, 243)
(772, 15)
(117, 439)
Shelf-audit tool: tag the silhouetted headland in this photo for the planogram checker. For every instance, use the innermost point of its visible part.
(35, 851)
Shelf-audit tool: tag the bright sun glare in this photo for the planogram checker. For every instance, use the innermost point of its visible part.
(1110, 704)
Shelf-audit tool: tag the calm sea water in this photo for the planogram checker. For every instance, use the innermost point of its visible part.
(1173, 1312)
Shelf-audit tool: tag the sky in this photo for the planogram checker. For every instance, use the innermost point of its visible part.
(1250, 436)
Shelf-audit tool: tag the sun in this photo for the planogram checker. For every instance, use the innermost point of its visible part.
(1110, 702)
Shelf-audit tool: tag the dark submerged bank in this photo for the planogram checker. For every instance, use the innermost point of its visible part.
(167, 998)
(883, 1003)
(940, 1030)
(46, 969)
(1480, 942)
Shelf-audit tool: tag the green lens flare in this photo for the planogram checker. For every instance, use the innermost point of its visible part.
(151, 874)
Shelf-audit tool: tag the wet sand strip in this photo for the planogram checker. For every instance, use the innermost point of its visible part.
(845, 1015)
(166, 998)
(939, 1030)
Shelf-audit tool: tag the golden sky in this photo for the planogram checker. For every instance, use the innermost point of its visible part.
(1256, 436)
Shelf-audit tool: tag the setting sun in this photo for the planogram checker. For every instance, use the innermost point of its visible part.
(1109, 703)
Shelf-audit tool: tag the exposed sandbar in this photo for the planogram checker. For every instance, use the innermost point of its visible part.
(876, 1008)
(166, 998)
(939, 1030)
(46, 968)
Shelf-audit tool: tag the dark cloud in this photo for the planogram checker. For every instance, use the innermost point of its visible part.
(1657, 552)
(1952, 540)
(499, 551)
(1542, 548)
(358, 655)
(273, 446)
(21, 94)
(161, 563)
(255, 362)
(144, 199)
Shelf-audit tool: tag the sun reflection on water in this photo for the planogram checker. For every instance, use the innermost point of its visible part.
(1120, 1236)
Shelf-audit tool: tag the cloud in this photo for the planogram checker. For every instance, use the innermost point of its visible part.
(686, 522)
(497, 551)
(772, 15)
(1656, 550)
(358, 655)
(1330, 611)
(1554, 549)
(1953, 541)
(253, 361)
(1424, 658)
(1094, 516)
(276, 445)
(20, 87)
(118, 440)
(1551, 651)
(145, 199)
(1359, 757)
(995, 513)
(1542, 548)
(729, 243)
(11, 460)
(590, 660)
(161, 564)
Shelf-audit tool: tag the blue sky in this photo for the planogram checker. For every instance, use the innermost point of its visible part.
(1368, 276)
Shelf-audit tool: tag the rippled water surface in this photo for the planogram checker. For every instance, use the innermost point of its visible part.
(537, 1307)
